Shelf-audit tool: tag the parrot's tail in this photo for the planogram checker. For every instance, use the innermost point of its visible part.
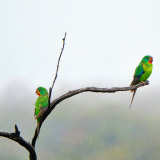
(134, 92)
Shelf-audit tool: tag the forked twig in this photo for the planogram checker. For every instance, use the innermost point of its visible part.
(50, 89)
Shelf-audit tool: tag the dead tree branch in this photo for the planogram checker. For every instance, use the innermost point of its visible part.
(17, 138)
(59, 61)
(51, 88)
(81, 90)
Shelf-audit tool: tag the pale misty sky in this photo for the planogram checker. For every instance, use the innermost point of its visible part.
(106, 39)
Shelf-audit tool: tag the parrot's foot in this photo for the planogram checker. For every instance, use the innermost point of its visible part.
(144, 82)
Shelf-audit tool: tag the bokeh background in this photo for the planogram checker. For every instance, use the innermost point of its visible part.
(106, 39)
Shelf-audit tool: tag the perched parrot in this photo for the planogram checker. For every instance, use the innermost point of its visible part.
(41, 104)
(142, 73)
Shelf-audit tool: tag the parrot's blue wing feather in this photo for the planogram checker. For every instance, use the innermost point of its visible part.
(139, 71)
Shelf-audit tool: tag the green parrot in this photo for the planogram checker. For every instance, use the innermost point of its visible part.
(41, 104)
(142, 73)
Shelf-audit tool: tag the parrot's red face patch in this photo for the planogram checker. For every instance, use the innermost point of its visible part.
(37, 91)
(150, 60)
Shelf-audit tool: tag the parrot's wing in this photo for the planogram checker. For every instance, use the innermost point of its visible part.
(139, 70)
(137, 74)
(135, 81)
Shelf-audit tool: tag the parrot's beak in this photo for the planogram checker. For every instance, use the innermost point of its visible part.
(37, 92)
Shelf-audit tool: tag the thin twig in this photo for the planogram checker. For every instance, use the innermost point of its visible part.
(17, 138)
(58, 64)
(49, 97)
(51, 88)
(81, 90)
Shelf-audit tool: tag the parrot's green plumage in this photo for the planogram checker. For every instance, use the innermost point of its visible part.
(41, 104)
(142, 72)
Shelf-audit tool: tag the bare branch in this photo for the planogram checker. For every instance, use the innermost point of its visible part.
(17, 138)
(58, 63)
(49, 98)
(94, 89)
(81, 90)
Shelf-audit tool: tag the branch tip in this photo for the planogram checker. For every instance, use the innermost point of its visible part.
(17, 132)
